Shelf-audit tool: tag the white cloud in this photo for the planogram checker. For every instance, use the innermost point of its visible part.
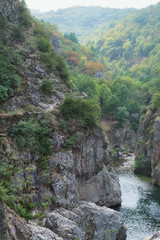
(46, 5)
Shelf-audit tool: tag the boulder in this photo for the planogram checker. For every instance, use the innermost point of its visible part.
(14, 227)
(87, 221)
(102, 189)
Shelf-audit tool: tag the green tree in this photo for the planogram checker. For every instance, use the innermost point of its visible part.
(85, 111)
(155, 102)
(122, 114)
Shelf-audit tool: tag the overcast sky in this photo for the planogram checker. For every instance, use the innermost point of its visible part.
(46, 5)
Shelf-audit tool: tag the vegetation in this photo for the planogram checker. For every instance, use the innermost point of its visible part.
(142, 165)
(70, 142)
(54, 63)
(84, 111)
(71, 37)
(81, 20)
(9, 78)
(33, 135)
(47, 86)
(118, 70)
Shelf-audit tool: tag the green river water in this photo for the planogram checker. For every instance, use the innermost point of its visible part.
(140, 204)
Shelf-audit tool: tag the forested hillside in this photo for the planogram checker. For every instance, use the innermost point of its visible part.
(48, 131)
(81, 20)
(120, 65)
(55, 93)
(132, 49)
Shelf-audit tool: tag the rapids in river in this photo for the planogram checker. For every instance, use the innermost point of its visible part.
(140, 202)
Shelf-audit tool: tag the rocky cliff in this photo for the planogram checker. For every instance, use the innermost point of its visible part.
(148, 146)
(55, 172)
(87, 221)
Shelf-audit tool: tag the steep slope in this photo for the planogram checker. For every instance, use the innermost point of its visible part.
(50, 155)
(148, 146)
(81, 20)
(131, 50)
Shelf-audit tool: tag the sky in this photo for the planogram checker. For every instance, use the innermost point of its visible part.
(47, 5)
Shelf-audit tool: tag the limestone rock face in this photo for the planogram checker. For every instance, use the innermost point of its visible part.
(9, 10)
(102, 189)
(156, 153)
(148, 145)
(14, 227)
(119, 137)
(56, 44)
(90, 154)
(83, 174)
(87, 221)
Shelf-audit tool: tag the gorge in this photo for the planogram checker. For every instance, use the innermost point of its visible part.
(66, 112)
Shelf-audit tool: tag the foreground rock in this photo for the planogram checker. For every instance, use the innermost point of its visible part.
(14, 227)
(148, 147)
(84, 174)
(87, 221)
(102, 189)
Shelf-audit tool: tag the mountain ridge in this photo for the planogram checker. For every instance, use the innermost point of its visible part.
(81, 20)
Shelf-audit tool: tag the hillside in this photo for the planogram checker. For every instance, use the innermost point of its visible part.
(81, 20)
(56, 171)
(131, 50)
(52, 147)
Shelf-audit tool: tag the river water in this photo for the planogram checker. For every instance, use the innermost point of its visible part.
(140, 203)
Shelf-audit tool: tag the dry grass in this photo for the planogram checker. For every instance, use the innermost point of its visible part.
(108, 124)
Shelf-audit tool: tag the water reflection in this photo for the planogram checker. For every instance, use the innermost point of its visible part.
(140, 205)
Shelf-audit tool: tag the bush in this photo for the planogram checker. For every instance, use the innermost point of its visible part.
(70, 142)
(85, 111)
(142, 165)
(43, 44)
(18, 33)
(61, 69)
(156, 101)
(3, 93)
(9, 79)
(33, 135)
(49, 60)
(24, 15)
(56, 64)
(47, 86)
(40, 29)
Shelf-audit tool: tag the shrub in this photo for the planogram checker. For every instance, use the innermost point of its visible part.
(61, 69)
(49, 60)
(142, 165)
(85, 111)
(3, 21)
(63, 125)
(47, 86)
(43, 44)
(3, 93)
(70, 142)
(33, 135)
(156, 101)
(24, 15)
(18, 33)
(40, 29)
(9, 79)
(56, 64)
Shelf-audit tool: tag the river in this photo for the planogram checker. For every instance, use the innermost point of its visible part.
(140, 202)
